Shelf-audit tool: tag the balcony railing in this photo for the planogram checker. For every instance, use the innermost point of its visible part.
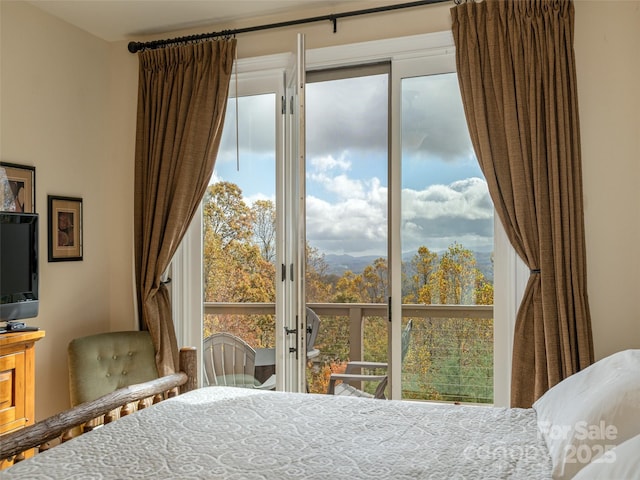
(452, 353)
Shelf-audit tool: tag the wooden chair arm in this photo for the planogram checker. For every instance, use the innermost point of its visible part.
(356, 377)
(359, 365)
(352, 377)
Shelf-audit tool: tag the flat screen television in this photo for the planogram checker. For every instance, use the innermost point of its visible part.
(18, 265)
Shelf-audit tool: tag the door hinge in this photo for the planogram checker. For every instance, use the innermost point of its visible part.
(290, 331)
(283, 100)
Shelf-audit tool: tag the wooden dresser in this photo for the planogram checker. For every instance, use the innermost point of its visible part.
(17, 381)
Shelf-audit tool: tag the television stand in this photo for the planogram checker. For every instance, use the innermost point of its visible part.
(17, 363)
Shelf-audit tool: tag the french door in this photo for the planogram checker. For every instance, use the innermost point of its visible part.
(290, 307)
(348, 121)
(251, 239)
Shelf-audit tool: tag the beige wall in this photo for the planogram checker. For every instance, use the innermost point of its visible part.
(68, 107)
(54, 100)
(607, 42)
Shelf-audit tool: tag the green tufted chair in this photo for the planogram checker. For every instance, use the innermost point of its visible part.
(102, 363)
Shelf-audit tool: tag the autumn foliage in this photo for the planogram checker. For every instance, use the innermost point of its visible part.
(448, 358)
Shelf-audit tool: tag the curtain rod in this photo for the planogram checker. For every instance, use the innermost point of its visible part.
(135, 47)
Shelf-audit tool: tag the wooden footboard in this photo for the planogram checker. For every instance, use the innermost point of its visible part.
(57, 426)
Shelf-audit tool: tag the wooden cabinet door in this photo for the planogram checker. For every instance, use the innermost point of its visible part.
(12, 391)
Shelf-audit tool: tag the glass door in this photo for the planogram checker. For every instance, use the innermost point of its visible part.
(251, 229)
(445, 228)
(240, 220)
(346, 217)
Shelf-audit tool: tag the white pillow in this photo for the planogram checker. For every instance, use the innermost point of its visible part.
(622, 462)
(590, 412)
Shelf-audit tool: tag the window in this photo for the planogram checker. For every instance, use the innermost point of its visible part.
(418, 64)
(447, 246)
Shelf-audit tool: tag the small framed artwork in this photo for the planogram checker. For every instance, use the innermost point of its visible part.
(17, 188)
(65, 228)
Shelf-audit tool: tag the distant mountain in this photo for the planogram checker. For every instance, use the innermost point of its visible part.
(338, 264)
(485, 265)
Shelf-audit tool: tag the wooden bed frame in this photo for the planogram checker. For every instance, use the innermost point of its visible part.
(46, 433)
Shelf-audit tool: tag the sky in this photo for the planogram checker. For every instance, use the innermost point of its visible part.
(444, 194)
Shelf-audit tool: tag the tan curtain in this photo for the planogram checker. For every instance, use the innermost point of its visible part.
(516, 71)
(182, 97)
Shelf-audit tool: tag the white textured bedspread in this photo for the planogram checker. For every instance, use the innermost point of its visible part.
(220, 432)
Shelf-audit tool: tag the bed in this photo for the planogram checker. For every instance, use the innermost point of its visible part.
(233, 433)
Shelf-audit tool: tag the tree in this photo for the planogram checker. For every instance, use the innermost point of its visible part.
(234, 267)
(454, 281)
(317, 286)
(376, 281)
(449, 358)
(423, 266)
(349, 288)
(225, 214)
(264, 228)
(458, 347)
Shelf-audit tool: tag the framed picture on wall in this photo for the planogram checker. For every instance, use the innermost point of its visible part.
(17, 188)
(65, 228)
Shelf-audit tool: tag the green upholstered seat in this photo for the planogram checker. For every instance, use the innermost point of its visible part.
(102, 363)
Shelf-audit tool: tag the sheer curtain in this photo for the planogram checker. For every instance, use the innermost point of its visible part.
(182, 97)
(516, 70)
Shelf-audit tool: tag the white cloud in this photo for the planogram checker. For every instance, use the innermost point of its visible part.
(433, 122)
(341, 185)
(347, 144)
(435, 217)
(467, 199)
(250, 200)
(348, 113)
(327, 162)
(441, 214)
(256, 127)
(354, 224)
